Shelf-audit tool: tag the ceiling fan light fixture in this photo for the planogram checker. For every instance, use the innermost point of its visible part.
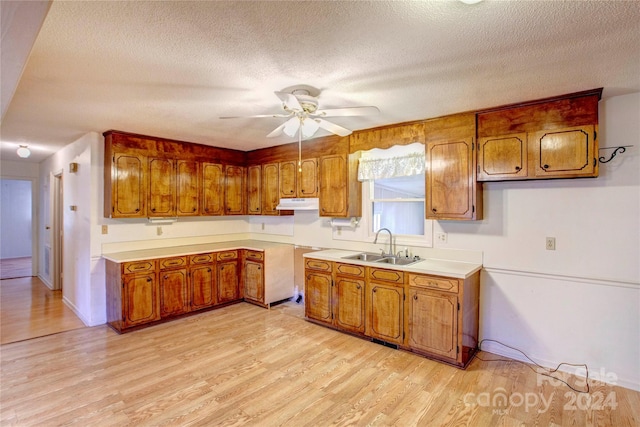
(23, 151)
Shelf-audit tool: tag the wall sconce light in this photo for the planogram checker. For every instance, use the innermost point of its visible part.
(73, 167)
(23, 151)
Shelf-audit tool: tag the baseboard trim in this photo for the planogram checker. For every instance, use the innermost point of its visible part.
(77, 312)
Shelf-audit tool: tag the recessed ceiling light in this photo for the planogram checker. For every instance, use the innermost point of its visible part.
(470, 1)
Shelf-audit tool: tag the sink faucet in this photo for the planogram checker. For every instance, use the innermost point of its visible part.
(390, 240)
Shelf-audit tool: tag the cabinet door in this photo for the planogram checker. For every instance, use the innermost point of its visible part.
(384, 305)
(433, 322)
(234, 190)
(287, 179)
(502, 158)
(174, 293)
(203, 290)
(212, 189)
(318, 298)
(128, 190)
(162, 187)
(254, 190)
(450, 180)
(187, 188)
(308, 178)
(253, 281)
(141, 300)
(568, 152)
(333, 186)
(270, 189)
(227, 278)
(349, 304)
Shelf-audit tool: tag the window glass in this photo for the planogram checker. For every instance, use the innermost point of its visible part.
(398, 204)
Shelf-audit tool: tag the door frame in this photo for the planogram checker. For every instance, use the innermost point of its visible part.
(57, 237)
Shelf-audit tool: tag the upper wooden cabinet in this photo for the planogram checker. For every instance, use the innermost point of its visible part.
(212, 189)
(452, 191)
(254, 190)
(298, 181)
(339, 190)
(234, 195)
(152, 177)
(549, 138)
(270, 185)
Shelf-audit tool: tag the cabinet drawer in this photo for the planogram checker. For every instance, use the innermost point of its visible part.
(201, 259)
(179, 261)
(316, 264)
(391, 276)
(439, 283)
(227, 255)
(138, 266)
(350, 270)
(255, 255)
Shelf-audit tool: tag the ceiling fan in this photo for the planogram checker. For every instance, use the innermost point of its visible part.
(300, 104)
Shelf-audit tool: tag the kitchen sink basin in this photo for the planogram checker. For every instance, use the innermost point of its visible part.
(365, 256)
(396, 261)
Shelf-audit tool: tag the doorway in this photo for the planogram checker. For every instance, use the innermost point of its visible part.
(58, 232)
(16, 228)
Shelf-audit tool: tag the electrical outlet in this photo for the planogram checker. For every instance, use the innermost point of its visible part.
(105, 229)
(551, 243)
(441, 237)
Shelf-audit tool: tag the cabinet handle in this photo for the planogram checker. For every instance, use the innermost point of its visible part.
(258, 268)
(208, 270)
(545, 166)
(358, 287)
(415, 297)
(206, 209)
(434, 210)
(166, 277)
(517, 168)
(194, 209)
(148, 279)
(138, 210)
(374, 290)
(153, 209)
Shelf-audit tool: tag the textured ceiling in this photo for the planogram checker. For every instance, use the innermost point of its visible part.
(172, 68)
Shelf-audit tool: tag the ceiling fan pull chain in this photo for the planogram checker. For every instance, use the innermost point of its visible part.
(300, 149)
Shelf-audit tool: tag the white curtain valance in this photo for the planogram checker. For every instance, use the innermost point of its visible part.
(374, 166)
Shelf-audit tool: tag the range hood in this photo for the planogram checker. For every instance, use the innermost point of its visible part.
(306, 204)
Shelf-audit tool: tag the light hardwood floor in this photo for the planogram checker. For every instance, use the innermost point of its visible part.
(29, 309)
(245, 365)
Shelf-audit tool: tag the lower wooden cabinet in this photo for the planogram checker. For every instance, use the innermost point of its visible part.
(203, 286)
(174, 293)
(434, 316)
(227, 276)
(139, 299)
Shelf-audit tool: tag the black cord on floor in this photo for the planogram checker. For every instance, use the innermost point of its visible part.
(546, 371)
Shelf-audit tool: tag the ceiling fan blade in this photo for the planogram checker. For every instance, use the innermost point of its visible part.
(332, 127)
(276, 132)
(309, 127)
(347, 111)
(258, 116)
(290, 102)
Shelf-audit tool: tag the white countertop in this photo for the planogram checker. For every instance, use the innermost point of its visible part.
(437, 267)
(171, 251)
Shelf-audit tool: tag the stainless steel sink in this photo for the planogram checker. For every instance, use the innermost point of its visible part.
(364, 256)
(396, 261)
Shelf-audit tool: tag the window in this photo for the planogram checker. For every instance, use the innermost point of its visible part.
(398, 204)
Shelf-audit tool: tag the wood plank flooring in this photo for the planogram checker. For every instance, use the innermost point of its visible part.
(244, 365)
(29, 309)
(11, 268)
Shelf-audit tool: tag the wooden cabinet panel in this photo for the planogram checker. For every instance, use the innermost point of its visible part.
(162, 195)
(287, 179)
(212, 189)
(270, 189)
(385, 312)
(201, 259)
(203, 286)
(433, 322)
(349, 298)
(226, 255)
(140, 299)
(234, 194)
(227, 281)
(254, 281)
(254, 190)
(128, 186)
(308, 178)
(450, 180)
(502, 157)
(188, 197)
(173, 262)
(349, 269)
(567, 152)
(138, 266)
(174, 293)
(318, 296)
(316, 264)
(435, 283)
(254, 255)
(333, 186)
